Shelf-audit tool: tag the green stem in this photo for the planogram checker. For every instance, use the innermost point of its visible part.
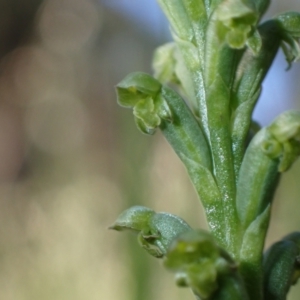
(221, 62)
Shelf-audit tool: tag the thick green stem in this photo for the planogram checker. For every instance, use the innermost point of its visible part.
(219, 70)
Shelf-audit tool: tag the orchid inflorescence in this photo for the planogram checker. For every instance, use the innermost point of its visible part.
(219, 58)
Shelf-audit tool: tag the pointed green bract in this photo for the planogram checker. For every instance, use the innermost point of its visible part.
(272, 150)
(210, 196)
(281, 267)
(261, 171)
(251, 254)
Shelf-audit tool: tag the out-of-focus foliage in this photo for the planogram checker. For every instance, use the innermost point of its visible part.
(69, 160)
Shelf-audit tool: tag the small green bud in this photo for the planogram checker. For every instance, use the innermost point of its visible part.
(166, 227)
(189, 53)
(142, 92)
(155, 231)
(136, 86)
(197, 262)
(285, 130)
(164, 62)
(238, 19)
(145, 110)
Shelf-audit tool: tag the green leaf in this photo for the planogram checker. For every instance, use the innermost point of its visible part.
(189, 53)
(187, 18)
(294, 237)
(281, 267)
(241, 125)
(210, 196)
(135, 218)
(272, 150)
(289, 24)
(249, 77)
(251, 254)
(184, 133)
(257, 180)
(254, 67)
(178, 18)
(219, 135)
(254, 238)
(231, 288)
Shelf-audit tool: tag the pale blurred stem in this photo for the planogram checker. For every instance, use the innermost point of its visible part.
(254, 70)
(130, 172)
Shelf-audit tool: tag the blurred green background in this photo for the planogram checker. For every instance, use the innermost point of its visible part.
(71, 160)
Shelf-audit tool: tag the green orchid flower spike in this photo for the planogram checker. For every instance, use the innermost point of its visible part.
(201, 97)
